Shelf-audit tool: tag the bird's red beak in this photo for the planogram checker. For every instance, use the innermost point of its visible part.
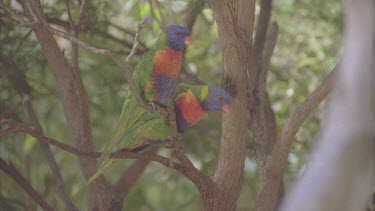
(227, 108)
(188, 40)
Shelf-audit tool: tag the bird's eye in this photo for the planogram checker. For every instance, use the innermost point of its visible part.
(220, 98)
(178, 33)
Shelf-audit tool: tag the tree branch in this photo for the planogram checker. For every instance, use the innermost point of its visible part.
(185, 168)
(234, 25)
(276, 162)
(8, 112)
(82, 13)
(129, 179)
(57, 178)
(305, 108)
(18, 81)
(77, 122)
(269, 47)
(11, 171)
(262, 27)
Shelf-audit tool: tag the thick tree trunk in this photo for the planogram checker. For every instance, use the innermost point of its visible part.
(235, 24)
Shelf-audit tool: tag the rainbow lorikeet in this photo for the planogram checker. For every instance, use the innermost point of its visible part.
(155, 78)
(190, 104)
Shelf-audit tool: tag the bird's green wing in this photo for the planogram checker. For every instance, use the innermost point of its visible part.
(129, 114)
(131, 111)
(145, 67)
(132, 115)
(149, 127)
(98, 172)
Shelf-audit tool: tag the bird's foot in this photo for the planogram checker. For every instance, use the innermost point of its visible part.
(168, 143)
(153, 105)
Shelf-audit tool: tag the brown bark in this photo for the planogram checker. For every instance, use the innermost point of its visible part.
(267, 197)
(78, 123)
(235, 25)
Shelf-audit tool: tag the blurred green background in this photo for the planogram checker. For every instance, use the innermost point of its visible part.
(308, 47)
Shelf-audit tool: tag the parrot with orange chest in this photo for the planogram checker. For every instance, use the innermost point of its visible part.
(190, 104)
(155, 78)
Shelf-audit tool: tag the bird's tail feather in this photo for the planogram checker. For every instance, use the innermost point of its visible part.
(99, 172)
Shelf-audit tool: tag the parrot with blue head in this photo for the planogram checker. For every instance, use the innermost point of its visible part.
(190, 104)
(155, 78)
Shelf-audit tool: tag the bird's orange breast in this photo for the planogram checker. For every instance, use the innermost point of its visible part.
(190, 107)
(167, 62)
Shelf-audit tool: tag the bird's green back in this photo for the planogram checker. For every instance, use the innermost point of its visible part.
(131, 111)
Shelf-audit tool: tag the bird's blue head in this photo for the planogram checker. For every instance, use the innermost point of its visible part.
(177, 37)
(217, 99)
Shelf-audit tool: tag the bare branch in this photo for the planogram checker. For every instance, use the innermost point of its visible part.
(11, 171)
(82, 12)
(305, 108)
(192, 10)
(71, 22)
(126, 31)
(8, 112)
(267, 54)
(262, 27)
(77, 123)
(81, 43)
(188, 171)
(129, 178)
(161, 22)
(275, 163)
(58, 181)
(18, 81)
(13, 15)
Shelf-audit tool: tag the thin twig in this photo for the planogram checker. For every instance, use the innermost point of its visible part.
(81, 43)
(11, 171)
(161, 25)
(58, 181)
(186, 167)
(304, 109)
(71, 22)
(82, 12)
(16, 127)
(8, 112)
(18, 81)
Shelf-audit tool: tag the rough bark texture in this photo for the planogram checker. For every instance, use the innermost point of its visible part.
(344, 160)
(235, 24)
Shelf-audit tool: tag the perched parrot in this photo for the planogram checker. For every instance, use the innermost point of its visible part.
(190, 103)
(155, 78)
